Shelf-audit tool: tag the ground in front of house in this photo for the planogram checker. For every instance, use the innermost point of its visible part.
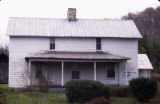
(14, 97)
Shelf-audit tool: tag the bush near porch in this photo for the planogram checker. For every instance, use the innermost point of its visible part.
(81, 91)
(14, 97)
(143, 89)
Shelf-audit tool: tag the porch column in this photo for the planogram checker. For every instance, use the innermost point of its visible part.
(95, 72)
(29, 71)
(118, 72)
(62, 73)
(29, 65)
(126, 73)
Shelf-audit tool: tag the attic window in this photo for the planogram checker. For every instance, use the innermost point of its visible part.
(98, 43)
(52, 43)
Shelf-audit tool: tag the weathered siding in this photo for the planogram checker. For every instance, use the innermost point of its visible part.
(124, 47)
(51, 70)
(19, 47)
(76, 44)
(102, 74)
(144, 73)
(86, 70)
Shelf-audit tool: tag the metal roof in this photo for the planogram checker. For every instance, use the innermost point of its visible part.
(144, 62)
(50, 27)
(76, 55)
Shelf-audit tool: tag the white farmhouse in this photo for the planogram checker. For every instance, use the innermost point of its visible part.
(72, 49)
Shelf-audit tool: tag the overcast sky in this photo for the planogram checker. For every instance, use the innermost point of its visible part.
(58, 8)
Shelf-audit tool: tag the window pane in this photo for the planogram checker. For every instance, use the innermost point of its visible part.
(98, 43)
(75, 74)
(52, 43)
(111, 70)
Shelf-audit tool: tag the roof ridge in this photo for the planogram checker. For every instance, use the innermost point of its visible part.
(66, 18)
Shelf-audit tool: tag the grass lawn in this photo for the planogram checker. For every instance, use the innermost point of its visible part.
(14, 97)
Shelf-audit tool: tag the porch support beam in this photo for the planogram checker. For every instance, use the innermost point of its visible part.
(126, 73)
(29, 71)
(29, 65)
(95, 71)
(62, 73)
(118, 73)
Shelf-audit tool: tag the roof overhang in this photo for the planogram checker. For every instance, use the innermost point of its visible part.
(75, 56)
(144, 62)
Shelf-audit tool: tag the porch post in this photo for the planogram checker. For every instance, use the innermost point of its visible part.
(118, 73)
(29, 71)
(29, 65)
(95, 71)
(126, 73)
(62, 72)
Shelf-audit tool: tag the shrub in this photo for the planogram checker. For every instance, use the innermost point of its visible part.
(81, 91)
(2, 97)
(121, 91)
(143, 89)
(100, 100)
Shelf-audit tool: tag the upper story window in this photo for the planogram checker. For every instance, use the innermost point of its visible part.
(110, 70)
(52, 43)
(98, 43)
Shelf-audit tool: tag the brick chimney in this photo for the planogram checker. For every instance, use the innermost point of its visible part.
(71, 15)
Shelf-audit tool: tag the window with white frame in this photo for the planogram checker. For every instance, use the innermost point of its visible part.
(98, 43)
(75, 74)
(111, 70)
(52, 43)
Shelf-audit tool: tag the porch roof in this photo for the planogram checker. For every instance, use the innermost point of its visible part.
(144, 62)
(76, 55)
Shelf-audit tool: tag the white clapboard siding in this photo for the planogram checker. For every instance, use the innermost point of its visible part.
(124, 47)
(19, 47)
(144, 73)
(76, 44)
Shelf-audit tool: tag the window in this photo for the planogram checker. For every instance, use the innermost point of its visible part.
(75, 74)
(52, 43)
(98, 43)
(111, 70)
(38, 73)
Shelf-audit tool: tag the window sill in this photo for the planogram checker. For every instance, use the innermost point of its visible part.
(52, 50)
(75, 79)
(111, 79)
(99, 50)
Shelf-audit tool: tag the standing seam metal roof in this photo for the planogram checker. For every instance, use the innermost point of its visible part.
(81, 28)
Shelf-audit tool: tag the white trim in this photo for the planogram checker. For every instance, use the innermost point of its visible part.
(77, 60)
(95, 71)
(62, 73)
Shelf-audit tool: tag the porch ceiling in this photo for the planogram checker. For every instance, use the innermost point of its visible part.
(76, 55)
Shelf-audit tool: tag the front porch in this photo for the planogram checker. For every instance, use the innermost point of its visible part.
(110, 70)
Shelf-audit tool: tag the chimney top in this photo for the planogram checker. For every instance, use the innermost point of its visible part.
(71, 15)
